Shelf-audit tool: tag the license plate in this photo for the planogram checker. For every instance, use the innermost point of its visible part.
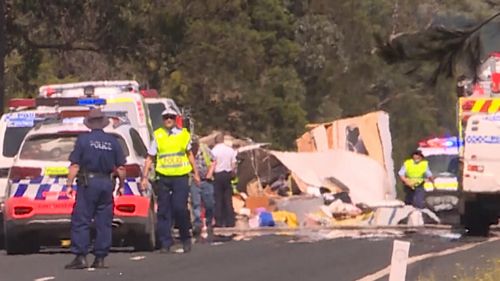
(56, 171)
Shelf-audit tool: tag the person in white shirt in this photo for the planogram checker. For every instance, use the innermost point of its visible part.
(225, 159)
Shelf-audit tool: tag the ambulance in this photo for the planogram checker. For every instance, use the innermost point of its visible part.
(481, 178)
(37, 210)
(478, 120)
(118, 95)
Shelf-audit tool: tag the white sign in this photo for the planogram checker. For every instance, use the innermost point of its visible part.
(399, 261)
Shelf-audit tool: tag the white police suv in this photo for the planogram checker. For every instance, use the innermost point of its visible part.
(37, 210)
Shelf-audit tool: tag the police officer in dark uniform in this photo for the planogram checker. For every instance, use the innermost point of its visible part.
(95, 156)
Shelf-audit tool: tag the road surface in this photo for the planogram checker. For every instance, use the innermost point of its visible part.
(263, 258)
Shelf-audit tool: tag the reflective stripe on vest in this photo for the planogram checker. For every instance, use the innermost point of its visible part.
(416, 171)
(171, 157)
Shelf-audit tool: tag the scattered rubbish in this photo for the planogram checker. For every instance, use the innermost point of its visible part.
(179, 251)
(451, 236)
(137, 258)
(45, 278)
(216, 243)
(285, 218)
(245, 237)
(90, 269)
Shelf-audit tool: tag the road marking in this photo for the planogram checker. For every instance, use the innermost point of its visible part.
(45, 278)
(137, 258)
(382, 273)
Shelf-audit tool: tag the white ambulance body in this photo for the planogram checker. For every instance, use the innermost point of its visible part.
(119, 95)
(481, 173)
(482, 154)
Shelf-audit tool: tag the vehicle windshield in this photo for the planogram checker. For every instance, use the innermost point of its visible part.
(443, 165)
(12, 140)
(155, 110)
(55, 147)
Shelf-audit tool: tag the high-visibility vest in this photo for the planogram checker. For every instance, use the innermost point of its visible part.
(205, 154)
(415, 172)
(171, 157)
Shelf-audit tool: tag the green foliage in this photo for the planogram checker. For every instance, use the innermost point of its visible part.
(259, 68)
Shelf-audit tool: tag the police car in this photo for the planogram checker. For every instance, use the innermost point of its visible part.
(13, 128)
(37, 210)
(23, 115)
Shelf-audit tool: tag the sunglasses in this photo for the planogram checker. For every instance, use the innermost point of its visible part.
(169, 116)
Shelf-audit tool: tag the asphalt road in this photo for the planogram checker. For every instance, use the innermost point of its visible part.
(262, 258)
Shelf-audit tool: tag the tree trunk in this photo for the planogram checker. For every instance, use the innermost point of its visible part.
(3, 48)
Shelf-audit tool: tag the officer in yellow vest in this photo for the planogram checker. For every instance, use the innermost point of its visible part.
(413, 174)
(174, 162)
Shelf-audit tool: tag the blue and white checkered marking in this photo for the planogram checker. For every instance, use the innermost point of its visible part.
(483, 139)
(35, 188)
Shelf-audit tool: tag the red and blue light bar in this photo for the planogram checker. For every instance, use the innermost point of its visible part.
(70, 101)
(32, 103)
(440, 142)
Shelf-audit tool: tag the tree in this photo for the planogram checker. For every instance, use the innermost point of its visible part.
(2, 54)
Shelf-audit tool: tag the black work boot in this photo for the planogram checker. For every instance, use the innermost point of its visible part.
(165, 250)
(98, 263)
(79, 262)
(210, 234)
(186, 246)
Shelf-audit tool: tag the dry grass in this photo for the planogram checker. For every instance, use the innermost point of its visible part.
(490, 273)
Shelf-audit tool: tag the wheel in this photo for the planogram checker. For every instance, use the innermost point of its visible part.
(56, 153)
(17, 244)
(146, 241)
(475, 219)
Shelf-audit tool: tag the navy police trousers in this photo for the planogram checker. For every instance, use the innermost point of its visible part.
(94, 202)
(173, 194)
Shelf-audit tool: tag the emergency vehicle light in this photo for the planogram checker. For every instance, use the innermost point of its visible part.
(150, 93)
(69, 101)
(14, 103)
(475, 168)
(133, 171)
(22, 210)
(126, 208)
(56, 101)
(467, 105)
(125, 85)
(91, 101)
(24, 172)
(440, 142)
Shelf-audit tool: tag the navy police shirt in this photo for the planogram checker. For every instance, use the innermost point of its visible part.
(97, 152)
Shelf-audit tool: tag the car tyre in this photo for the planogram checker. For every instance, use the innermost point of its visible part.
(16, 245)
(475, 220)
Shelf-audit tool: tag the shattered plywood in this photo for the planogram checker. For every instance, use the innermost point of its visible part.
(346, 167)
(368, 135)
